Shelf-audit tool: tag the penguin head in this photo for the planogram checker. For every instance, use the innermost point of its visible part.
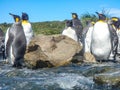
(101, 16)
(69, 23)
(25, 16)
(16, 17)
(116, 22)
(115, 19)
(74, 15)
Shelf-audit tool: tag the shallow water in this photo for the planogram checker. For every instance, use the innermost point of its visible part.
(70, 77)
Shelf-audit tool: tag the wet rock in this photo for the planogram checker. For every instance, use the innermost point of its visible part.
(112, 79)
(88, 57)
(49, 51)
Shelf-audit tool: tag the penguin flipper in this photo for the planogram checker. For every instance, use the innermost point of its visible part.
(9, 44)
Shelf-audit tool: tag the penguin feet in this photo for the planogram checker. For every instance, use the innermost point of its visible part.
(19, 65)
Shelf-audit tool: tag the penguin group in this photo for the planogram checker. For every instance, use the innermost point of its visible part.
(104, 38)
(73, 28)
(100, 38)
(17, 37)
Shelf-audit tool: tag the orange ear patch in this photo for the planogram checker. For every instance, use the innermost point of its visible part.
(17, 19)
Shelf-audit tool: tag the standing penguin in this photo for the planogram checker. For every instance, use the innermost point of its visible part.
(77, 25)
(87, 32)
(114, 23)
(101, 45)
(16, 19)
(2, 46)
(16, 43)
(114, 29)
(27, 27)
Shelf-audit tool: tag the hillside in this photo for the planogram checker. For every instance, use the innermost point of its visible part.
(47, 28)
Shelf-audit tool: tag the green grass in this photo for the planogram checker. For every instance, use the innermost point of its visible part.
(52, 27)
(46, 28)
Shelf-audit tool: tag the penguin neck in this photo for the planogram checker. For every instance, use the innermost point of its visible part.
(101, 21)
(24, 21)
(69, 27)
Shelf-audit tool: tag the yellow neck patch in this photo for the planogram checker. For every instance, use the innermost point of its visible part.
(24, 21)
(101, 21)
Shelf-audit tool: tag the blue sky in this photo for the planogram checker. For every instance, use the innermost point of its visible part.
(50, 10)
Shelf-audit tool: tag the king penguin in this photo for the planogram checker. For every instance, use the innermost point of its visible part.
(101, 45)
(16, 19)
(69, 31)
(77, 25)
(87, 32)
(115, 24)
(16, 43)
(27, 27)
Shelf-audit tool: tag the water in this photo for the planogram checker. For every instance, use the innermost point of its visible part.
(70, 77)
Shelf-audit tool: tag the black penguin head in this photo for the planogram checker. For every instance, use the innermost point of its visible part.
(116, 22)
(101, 16)
(25, 16)
(16, 17)
(74, 15)
(69, 23)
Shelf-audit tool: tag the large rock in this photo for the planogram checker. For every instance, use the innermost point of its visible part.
(53, 50)
(88, 57)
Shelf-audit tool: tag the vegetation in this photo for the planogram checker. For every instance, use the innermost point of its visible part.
(47, 28)
(88, 17)
(4, 26)
(52, 27)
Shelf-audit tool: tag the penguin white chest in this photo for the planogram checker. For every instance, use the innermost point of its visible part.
(28, 32)
(101, 41)
(70, 33)
(101, 31)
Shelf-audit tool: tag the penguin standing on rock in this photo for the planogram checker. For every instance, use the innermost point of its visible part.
(69, 31)
(27, 27)
(16, 43)
(77, 25)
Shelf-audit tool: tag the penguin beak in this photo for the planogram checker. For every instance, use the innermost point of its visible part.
(11, 14)
(97, 13)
